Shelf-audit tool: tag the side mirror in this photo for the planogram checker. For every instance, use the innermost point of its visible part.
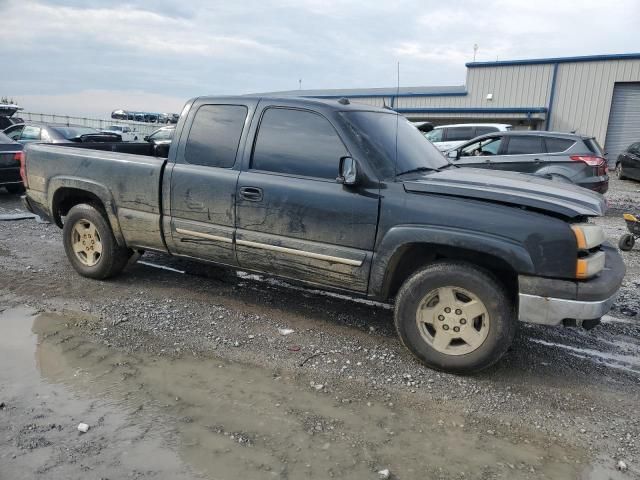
(146, 138)
(347, 171)
(453, 154)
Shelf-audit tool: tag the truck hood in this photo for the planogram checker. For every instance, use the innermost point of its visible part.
(511, 188)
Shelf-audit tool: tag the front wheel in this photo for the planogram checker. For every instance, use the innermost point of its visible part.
(90, 245)
(620, 172)
(455, 317)
(626, 242)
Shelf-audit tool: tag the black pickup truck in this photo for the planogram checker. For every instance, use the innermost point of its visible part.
(347, 197)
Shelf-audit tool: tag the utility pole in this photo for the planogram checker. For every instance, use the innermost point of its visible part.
(475, 50)
(300, 84)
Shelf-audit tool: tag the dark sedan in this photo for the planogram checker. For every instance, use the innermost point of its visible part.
(628, 163)
(10, 157)
(53, 133)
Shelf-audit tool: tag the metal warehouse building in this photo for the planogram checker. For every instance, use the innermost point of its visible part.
(595, 95)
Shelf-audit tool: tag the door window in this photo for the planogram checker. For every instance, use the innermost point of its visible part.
(458, 134)
(485, 130)
(297, 142)
(435, 135)
(486, 147)
(30, 133)
(214, 135)
(524, 145)
(555, 145)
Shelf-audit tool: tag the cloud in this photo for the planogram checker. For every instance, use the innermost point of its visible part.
(162, 49)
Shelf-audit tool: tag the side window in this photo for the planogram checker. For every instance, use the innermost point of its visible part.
(30, 133)
(298, 143)
(14, 132)
(214, 135)
(485, 130)
(483, 148)
(435, 135)
(634, 149)
(524, 145)
(555, 145)
(456, 134)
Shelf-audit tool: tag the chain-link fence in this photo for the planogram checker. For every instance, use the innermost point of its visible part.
(143, 128)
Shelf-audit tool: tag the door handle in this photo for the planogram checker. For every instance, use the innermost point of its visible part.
(253, 194)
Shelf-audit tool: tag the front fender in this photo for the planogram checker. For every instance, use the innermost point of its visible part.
(97, 189)
(394, 241)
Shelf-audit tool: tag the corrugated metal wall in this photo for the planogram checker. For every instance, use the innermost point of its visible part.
(583, 95)
(624, 119)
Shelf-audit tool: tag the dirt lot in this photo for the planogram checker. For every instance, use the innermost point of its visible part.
(184, 372)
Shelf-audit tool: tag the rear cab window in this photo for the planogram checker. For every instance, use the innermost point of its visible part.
(30, 133)
(297, 142)
(214, 135)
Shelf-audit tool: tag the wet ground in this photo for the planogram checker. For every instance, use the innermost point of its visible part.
(184, 372)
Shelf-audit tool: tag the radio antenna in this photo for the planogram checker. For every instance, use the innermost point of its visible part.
(395, 168)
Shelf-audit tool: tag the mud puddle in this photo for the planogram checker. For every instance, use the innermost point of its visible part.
(174, 418)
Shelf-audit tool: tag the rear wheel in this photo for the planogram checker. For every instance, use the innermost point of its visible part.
(620, 172)
(15, 189)
(626, 242)
(455, 317)
(90, 245)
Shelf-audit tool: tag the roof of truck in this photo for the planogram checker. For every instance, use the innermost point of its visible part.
(338, 104)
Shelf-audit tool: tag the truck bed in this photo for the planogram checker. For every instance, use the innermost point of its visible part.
(128, 184)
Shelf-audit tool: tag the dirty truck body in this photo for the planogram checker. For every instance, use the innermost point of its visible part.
(314, 191)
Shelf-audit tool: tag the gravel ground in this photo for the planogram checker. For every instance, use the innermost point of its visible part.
(561, 404)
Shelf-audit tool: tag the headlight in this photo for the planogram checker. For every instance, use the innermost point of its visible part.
(588, 238)
(588, 235)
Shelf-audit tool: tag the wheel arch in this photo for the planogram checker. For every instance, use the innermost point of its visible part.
(404, 250)
(66, 192)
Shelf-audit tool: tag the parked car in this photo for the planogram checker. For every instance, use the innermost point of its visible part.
(10, 156)
(343, 197)
(628, 163)
(446, 137)
(57, 133)
(161, 136)
(127, 133)
(563, 157)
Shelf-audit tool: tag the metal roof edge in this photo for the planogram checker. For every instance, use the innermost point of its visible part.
(552, 60)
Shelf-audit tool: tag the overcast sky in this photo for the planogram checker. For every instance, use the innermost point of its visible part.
(90, 57)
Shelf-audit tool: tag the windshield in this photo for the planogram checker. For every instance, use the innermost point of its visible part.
(73, 132)
(375, 133)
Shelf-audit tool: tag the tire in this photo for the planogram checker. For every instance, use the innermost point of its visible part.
(491, 332)
(15, 189)
(90, 245)
(626, 242)
(619, 171)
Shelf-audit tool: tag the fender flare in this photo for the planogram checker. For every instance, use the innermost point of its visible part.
(392, 245)
(97, 189)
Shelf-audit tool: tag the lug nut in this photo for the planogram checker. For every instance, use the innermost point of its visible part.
(458, 311)
(445, 327)
(456, 329)
(441, 317)
(463, 321)
(448, 310)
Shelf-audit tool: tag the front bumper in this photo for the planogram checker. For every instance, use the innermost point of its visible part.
(550, 301)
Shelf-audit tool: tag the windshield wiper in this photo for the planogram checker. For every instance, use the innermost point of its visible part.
(418, 169)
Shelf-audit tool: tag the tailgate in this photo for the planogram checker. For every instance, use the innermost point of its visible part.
(9, 159)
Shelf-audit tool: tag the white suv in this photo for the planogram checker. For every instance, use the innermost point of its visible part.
(127, 133)
(446, 137)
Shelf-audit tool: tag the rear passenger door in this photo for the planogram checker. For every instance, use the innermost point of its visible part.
(293, 218)
(203, 182)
